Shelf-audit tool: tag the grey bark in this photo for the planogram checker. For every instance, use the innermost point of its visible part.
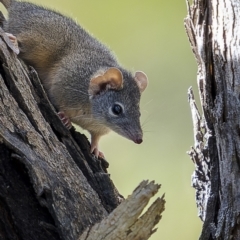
(51, 187)
(214, 35)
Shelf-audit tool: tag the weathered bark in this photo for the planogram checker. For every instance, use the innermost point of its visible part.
(51, 187)
(214, 34)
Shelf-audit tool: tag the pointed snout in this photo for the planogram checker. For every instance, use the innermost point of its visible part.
(137, 136)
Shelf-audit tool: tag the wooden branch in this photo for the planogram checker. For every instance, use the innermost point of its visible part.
(212, 28)
(201, 176)
(123, 223)
(51, 187)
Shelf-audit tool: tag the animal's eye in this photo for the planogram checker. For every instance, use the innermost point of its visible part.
(117, 109)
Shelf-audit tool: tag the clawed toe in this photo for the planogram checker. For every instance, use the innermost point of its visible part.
(14, 42)
(65, 120)
(96, 152)
(101, 155)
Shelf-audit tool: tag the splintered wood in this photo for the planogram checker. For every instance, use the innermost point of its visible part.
(125, 223)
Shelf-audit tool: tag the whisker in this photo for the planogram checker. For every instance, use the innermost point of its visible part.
(145, 111)
(145, 104)
(147, 120)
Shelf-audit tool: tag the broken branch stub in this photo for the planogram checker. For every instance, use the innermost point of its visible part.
(125, 223)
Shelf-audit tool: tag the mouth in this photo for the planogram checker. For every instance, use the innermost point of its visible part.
(136, 139)
(135, 136)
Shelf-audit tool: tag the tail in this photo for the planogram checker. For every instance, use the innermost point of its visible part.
(7, 3)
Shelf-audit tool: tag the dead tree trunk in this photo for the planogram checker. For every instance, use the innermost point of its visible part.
(213, 28)
(51, 187)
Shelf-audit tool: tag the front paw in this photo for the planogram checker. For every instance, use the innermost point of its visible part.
(96, 152)
(65, 120)
(13, 44)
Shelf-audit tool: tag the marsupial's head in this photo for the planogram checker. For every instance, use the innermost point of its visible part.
(115, 97)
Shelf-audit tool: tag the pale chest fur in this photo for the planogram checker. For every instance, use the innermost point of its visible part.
(85, 120)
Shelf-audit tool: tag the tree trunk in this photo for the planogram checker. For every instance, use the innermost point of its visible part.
(51, 187)
(214, 34)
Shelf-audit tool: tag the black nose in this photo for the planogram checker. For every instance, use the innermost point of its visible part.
(138, 141)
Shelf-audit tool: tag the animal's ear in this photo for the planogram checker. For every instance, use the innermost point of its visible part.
(111, 79)
(141, 80)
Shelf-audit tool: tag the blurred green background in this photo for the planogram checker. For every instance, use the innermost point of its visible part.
(150, 36)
